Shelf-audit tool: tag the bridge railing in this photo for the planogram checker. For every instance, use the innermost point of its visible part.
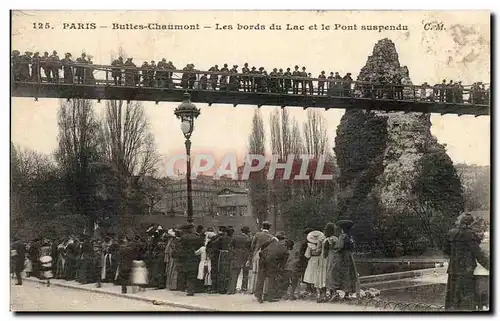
(130, 76)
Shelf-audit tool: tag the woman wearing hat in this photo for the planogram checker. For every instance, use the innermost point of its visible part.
(464, 252)
(171, 276)
(205, 265)
(313, 253)
(343, 271)
(330, 255)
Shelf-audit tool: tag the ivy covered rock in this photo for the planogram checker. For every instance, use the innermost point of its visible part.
(397, 182)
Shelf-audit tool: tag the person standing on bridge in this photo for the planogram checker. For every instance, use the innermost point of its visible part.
(304, 80)
(347, 81)
(204, 82)
(442, 91)
(234, 81)
(193, 76)
(296, 74)
(450, 92)
(89, 72)
(253, 79)
(116, 71)
(245, 79)
(145, 75)
(35, 67)
(67, 64)
(80, 70)
(321, 83)
(459, 92)
(129, 68)
(55, 65)
(152, 73)
(45, 64)
(273, 81)
(281, 81)
(15, 60)
(214, 77)
(287, 81)
(24, 65)
(160, 74)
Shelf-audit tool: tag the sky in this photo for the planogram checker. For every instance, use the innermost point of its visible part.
(461, 52)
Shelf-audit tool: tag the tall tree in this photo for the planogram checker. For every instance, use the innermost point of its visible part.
(126, 142)
(77, 153)
(316, 145)
(257, 180)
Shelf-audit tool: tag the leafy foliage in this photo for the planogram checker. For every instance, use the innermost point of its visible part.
(313, 212)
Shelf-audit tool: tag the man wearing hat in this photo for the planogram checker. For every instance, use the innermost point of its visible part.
(116, 71)
(24, 66)
(55, 65)
(245, 80)
(296, 73)
(126, 255)
(35, 67)
(274, 81)
(240, 254)
(67, 64)
(214, 78)
(234, 81)
(130, 71)
(260, 238)
(80, 71)
(17, 257)
(321, 83)
(273, 257)
(188, 261)
(347, 81)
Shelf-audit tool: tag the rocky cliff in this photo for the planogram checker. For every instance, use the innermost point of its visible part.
(397, 181)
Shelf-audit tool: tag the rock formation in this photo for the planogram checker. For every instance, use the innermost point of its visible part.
(397, 181)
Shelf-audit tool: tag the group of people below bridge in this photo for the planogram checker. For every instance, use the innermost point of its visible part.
(320, 265)
(204, 260)
(28, 67)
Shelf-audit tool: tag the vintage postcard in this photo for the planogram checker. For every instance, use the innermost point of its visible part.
(250, 161)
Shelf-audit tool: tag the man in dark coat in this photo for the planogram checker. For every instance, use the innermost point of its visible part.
(126, 255)
(188, 261)
(273, 257)
(116, 71)
(464, 251)
(17, 256)
(240, 254)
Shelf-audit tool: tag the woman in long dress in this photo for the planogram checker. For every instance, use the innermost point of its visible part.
(313, 253)
(170, 261)
(344, 271)
(205, 265)
(330, 253)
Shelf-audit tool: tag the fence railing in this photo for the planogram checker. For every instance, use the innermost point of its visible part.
(78, 74)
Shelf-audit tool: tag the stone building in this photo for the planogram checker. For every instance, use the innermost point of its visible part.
(204, 192)
(233, 201)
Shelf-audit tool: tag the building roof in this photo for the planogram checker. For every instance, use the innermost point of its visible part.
(233, 190)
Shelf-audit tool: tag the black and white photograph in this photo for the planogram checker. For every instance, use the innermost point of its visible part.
(250, 161)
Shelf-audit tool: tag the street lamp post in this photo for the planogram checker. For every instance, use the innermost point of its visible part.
(187, 113)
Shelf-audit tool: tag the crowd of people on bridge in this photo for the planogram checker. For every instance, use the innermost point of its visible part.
(122, 72)
(196, 260)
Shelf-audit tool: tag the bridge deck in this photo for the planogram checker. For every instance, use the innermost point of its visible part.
(128, 93)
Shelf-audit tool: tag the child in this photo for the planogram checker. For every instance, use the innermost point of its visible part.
(139, 276)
